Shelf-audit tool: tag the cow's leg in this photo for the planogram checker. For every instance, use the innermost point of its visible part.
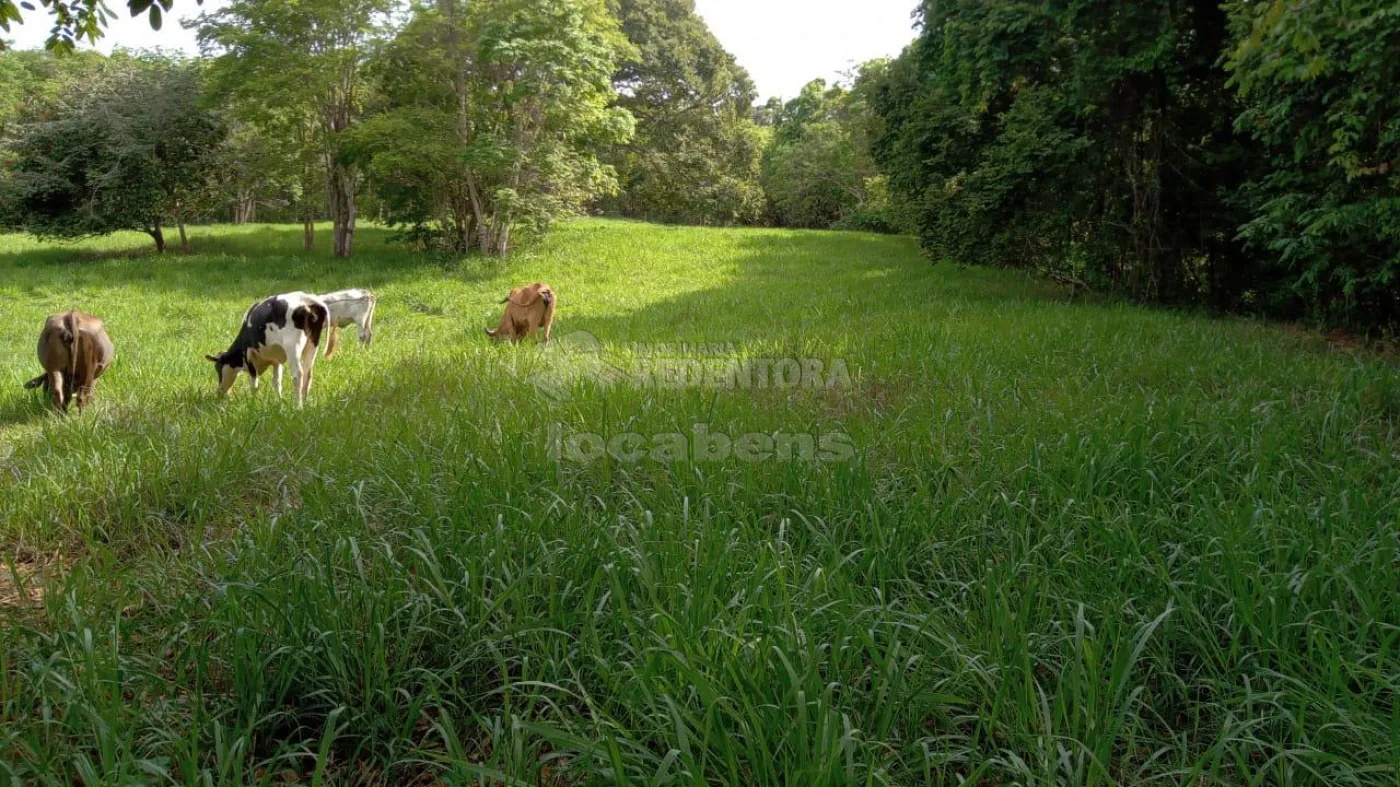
(253, 375)
(308, 365)
(56, 382)
(367, 323)
(277, 379)
(297, 372)
(333, 340)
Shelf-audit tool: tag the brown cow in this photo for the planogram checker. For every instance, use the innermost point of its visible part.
(74, 350)
(530, 309)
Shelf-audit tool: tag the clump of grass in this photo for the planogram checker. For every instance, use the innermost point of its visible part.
(1081, 544)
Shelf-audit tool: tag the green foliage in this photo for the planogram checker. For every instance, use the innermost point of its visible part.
(695, 157)
(126, 148)
(295, 69)
(31, 83)
(257, 175)
(494, 114)
(819, 172)
(1090, 545)
(1318, 87)
(1088, 137)
(1240, 155)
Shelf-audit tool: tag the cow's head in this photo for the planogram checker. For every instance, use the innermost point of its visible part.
(227, 365)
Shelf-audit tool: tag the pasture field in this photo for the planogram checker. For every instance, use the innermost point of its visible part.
(1077, 543)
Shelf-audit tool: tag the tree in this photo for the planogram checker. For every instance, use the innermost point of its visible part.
(127, 149)
(256, 169)
(695, 156)
(496, 111)
(304, 61)
(818, 172)
(1083, 138)
(79, 20)
(32, 82)
(811, 172)
(1318, 96)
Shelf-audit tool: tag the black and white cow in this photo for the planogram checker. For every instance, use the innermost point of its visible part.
(281, 329)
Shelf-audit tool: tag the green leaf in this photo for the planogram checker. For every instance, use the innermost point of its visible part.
(155, 17)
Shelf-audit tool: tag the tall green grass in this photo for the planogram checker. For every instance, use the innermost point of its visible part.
(1082, 544)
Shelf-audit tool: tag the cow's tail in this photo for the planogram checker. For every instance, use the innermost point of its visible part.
(70, 335)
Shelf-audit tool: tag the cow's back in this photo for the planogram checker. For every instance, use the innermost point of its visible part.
(97, 352)
(54, 343)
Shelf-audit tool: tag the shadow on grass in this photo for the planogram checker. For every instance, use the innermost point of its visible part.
(21, 406)
(253, 260)
(787, 288)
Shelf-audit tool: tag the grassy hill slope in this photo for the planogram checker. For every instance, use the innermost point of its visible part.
(1077, 543)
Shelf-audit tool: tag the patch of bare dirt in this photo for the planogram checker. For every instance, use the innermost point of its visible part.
(22, 585)
(1343, 340)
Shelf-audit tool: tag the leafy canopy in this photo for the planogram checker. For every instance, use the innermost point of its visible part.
(695, 156)
(125, 148)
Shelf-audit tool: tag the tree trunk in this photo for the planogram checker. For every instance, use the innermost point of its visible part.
(245, 209)
(158, 237)
(502, 239)
(466, 207)
(180, 222)
(462, 223)
(308, 210)
(478, 222)
(342, 199)
(340, 177)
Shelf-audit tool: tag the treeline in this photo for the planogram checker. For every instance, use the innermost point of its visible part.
(1237, 154)
(464, 125)
(1241, 155)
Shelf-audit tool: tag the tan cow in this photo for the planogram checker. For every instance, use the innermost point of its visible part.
(74, 350)
(529, 309)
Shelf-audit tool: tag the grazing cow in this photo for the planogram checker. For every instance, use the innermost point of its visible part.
(74, 350)
(350, 307)
(281, 329)
(529, 309)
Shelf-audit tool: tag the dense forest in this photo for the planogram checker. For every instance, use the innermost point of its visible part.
(1239, 155)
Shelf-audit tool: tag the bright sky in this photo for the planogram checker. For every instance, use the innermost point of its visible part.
(124, 30)
(783, 43)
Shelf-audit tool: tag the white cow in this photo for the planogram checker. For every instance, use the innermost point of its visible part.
(350, 307)
(282, 329)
